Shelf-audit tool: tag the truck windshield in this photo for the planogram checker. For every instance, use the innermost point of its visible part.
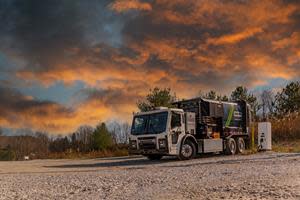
(149, 124)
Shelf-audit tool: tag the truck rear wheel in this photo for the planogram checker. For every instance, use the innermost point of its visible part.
(241, 146)
(187, 150)
(230, 146)
(154, 157)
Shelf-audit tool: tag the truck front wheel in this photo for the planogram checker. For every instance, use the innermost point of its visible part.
(187, 150)
(154, 157)
(230, 146)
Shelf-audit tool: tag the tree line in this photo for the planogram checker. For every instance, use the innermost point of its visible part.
(281, 108)
(267, 104)
(85, 139)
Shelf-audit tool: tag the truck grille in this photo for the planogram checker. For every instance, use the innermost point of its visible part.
(147, 143)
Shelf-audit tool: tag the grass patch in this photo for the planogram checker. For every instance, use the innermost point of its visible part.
(7, 155)
(283, 146)
(250, 151)
(287, 146)
(286, 128)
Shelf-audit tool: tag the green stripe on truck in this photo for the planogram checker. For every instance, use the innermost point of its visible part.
(229, 118)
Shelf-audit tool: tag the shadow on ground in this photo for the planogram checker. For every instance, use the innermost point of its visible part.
(114, 162)
(169, 162)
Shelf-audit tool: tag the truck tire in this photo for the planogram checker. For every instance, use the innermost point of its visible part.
(241, 146)
(154, 156)
(187, 150)
(230, 146)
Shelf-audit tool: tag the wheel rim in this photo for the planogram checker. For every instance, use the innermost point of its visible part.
(241, 145)
(186, 150)
(232, 148)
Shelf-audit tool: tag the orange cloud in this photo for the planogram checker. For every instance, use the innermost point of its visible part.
(266, 67)
(234, 38)
(173, 43)
(186, 45)
(51, 117)
(125, 5)
(292, 41)
(256, 13)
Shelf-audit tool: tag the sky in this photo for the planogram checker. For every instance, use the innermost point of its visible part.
(65, 63)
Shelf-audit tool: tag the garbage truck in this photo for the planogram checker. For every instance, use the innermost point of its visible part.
(191, 127)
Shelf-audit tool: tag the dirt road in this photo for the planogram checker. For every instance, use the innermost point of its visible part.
(260, 176)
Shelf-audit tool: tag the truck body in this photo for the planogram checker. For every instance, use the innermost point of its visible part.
(192, 127)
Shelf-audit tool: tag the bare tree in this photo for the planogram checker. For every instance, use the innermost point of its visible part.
(120, 131)
(115, 129)
(267, 102)
(43, 142)
(82, 138)
(125, 132)
(60, 144)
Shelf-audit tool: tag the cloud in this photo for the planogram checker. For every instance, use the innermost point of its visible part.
(120, 49)
(45, 34)
(21, 111)
(234, 38)
(125, 5)
(194, 37)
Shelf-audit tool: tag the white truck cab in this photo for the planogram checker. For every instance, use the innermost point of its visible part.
(159, 132)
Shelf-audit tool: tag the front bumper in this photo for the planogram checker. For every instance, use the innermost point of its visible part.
(145, 145)
(148, 151)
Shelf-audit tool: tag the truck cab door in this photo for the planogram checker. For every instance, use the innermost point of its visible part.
(177, 130)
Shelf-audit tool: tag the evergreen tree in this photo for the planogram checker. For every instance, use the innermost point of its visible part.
(211, 95)
(102, 138)
(222, 98)
(288, 100)
(157, 97)
(242, 93)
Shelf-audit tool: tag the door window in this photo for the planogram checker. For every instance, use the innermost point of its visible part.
(175, 120)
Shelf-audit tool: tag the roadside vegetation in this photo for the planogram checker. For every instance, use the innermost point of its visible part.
(86, 142)
(286, 133)
(106, 140)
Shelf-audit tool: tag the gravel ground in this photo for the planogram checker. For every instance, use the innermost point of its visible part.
(260, 176)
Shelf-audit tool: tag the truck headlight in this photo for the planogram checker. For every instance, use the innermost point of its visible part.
(132, 144)
(162, 143)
